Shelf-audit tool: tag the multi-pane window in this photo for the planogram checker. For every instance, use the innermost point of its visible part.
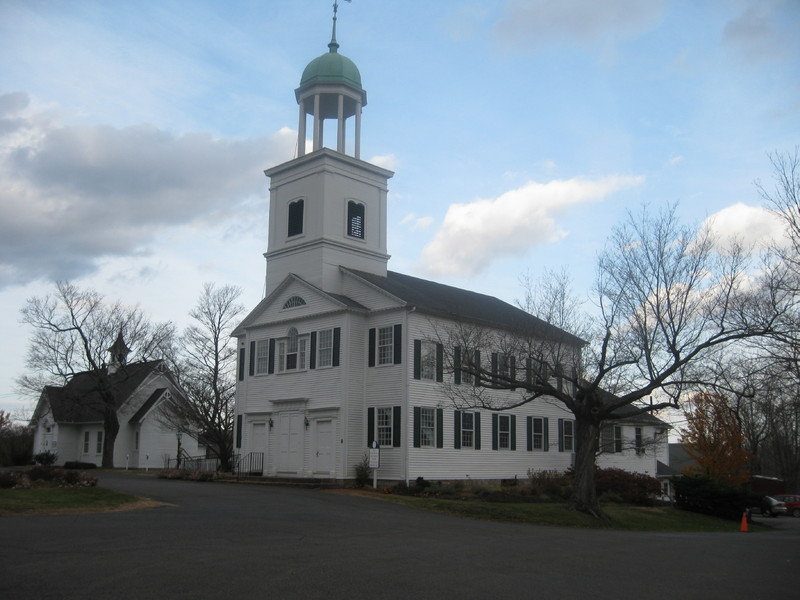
(292, 352)
(355, 220)
(428, 360)
(469, 362)
(427, 427)
(295, 225)
(386, 345)
(617, 438)
(86, 442)
(567, 435)
(504, 432)
(262, 356)
(504, 365)
(537, 433)
(467, 430)
(99, 446)
(384, 425)
(638, 440)
(325, 348)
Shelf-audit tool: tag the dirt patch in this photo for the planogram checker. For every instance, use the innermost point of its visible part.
(138, 504)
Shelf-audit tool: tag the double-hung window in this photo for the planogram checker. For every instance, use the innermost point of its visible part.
(292, 352)
(428, 361)
(638, 440)
(86, 442)
(504, 432)
(467, 430)
(537, 433)
(385, 345)
(384, 425)
(99, 446)
(325, 348)
(566, 435)
(427, 427)
(262, 356)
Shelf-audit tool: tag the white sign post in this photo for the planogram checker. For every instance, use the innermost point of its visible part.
(374, 462)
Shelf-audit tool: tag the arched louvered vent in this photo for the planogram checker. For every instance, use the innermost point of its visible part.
(294, 302)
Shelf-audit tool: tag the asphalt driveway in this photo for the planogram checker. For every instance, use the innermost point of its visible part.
(254, 541)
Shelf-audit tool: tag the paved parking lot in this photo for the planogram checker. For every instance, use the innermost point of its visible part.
(253, 541)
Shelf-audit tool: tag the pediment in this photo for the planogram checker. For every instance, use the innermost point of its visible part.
(295, 298)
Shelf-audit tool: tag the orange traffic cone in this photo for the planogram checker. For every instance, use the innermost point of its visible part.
(744, 522)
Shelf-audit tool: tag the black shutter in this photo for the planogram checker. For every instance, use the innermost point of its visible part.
(456, 429)
(561, 435)
(252, 358)
(477, 367)
(513, 432)
(546, 434)
(457, 365)
(513, 369)
(239, 429)
(271, 357)
(494, 367)
(440, 428)
(416, 427)
(337, 342)
(530, 432)
(241, 364)
(370, 425)
(477, 420)
(528, 374)
(396, 426)
(371, 348)
(439, 362)
(494, 431)
(398, 344)
(417, 359)
(312, 360)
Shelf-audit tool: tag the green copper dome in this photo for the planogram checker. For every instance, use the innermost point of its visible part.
(331, 67)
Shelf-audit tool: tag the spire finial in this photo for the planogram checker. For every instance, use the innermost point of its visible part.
(334, 45)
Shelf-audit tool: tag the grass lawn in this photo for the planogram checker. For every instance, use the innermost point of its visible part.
(67, 501)
(634, 518)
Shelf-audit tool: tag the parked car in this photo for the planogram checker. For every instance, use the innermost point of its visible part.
(770, 507)
(792, 502)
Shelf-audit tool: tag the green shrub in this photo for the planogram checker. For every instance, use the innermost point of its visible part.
(362, 472)
(7, 480)
(547, 485)
(632, 488)
(700, 494)
(46, 458)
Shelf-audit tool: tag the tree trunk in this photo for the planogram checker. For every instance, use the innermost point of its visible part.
(584, 493)
(110, 431)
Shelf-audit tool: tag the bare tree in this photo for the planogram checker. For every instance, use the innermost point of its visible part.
(668, 298)
(207, 373)
(73, 329)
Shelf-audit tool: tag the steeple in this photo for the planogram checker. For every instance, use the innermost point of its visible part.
(330, 88)
(327, 208)
(118, 354)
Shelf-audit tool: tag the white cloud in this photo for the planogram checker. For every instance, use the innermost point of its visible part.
(474, 235)
(387, 161)
(535, 23)
(70, 194)
(417, 223)
(675, 160)
(751, 225)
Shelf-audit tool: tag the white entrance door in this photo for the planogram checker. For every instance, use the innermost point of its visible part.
(259, 438)
(290, 442)
(323, 451)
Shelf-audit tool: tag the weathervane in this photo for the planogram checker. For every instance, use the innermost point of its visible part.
(333, 45)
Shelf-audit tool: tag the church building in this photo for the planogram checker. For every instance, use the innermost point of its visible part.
(342, 353)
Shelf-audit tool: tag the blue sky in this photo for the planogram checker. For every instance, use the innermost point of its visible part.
(134, 135)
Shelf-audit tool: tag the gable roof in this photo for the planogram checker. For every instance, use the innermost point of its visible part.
(437, 299)
(148, 404)
(343, 302)
(79, 400)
